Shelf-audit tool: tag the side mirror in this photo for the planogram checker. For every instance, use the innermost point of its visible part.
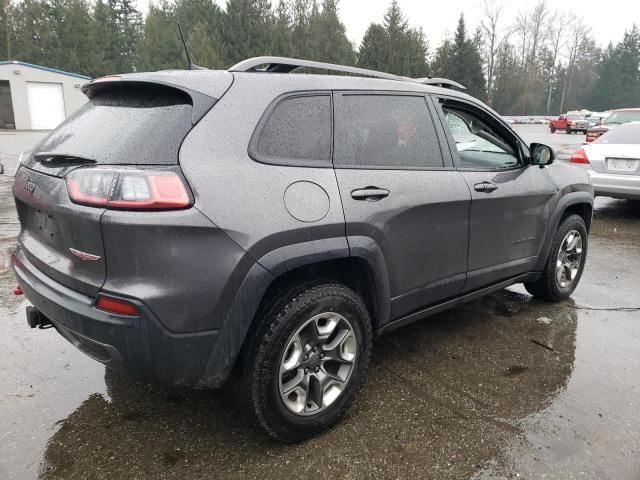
(542, 154)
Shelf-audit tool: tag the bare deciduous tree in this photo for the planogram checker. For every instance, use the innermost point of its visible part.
(557, 30)
(578, 33)
(492, 11)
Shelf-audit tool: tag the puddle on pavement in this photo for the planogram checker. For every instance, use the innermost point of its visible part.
(500, 387)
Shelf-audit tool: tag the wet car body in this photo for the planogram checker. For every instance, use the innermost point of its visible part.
(613, 161)
(171, 291)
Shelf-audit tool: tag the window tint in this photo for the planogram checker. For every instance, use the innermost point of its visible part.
(385, 131)
(298, 128)
(132, 125)
(477, 143)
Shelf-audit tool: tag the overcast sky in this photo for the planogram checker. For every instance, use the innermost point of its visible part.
(608, 19)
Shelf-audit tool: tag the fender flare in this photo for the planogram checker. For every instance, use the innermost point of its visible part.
(566, 201)
(264, 272)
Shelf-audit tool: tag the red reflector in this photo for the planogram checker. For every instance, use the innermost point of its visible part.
(114, 305)
(579, 157)
(17, 290)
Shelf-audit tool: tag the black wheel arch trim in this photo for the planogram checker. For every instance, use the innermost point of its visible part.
(566, 201)
(240, 317)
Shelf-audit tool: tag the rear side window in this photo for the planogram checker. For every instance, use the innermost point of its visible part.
(143, 124)
(297, 130)
(392, 131)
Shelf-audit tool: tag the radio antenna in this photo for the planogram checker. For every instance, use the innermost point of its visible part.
(192, 66)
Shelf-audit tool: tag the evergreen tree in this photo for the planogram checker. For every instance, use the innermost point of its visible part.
(507, 80)
(618, 74)
(126, 21)
(32, 33)
(460, 60)
(103, 41)
(329, 42)
(160, 47)
(304, 15)
(394, 47)
(373, 51)
(281, 41)
(6, 9)
(246, 29)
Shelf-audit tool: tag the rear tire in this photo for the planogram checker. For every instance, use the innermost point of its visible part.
(568, 131)
(308, 360)
(565, 263)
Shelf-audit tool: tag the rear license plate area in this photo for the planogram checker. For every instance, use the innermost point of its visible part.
(624, 165)
(45, 225)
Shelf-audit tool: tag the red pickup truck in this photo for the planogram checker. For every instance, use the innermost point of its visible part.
(570, 122)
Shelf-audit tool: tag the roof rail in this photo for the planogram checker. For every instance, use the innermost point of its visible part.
(440, 82)
(287, 65)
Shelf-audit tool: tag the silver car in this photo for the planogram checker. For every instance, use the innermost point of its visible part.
(613, 161)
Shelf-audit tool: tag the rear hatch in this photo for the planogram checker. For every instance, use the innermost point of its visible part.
(125, 125)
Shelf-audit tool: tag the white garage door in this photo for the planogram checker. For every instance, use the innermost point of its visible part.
(46, 105)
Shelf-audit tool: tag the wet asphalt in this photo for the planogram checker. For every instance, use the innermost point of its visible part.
(504, 387)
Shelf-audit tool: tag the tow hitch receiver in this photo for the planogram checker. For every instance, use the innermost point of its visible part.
(35, 318)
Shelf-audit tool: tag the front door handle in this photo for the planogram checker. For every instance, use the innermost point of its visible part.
(486, 187)
(373, 194)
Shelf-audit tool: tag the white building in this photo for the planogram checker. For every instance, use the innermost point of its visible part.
(37, 98)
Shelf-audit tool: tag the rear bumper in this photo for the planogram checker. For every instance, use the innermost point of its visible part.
(141, 346)
(617, 186)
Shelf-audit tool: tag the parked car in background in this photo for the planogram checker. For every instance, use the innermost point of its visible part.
(596, 118)
(184, 225)
(617, 117)
(613, 161)
(570, 122)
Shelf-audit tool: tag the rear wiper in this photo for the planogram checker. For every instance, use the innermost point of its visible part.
(61, 159)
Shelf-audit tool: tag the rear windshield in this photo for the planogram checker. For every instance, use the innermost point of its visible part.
(142, 124)
(622, 135)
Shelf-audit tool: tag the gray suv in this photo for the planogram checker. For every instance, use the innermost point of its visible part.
(255, 224)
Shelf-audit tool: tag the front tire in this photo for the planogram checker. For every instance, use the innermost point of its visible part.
(565, 264)
(553, 129)
(309, 360)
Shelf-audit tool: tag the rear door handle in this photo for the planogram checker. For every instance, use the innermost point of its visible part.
(373, 194)
(486, 187)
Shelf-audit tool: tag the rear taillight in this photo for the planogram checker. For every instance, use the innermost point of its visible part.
(579, 157)
(127, 189)
(117, 306)
(591, 136)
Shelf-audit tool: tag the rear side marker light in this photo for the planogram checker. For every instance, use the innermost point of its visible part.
(127, 189)
(579, 157)
(117, 306)
(17, 290)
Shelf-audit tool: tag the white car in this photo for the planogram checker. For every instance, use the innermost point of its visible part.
(613, 161)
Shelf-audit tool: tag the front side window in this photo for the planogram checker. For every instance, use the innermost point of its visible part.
(385, 131)
(297, 129)
(479, 144)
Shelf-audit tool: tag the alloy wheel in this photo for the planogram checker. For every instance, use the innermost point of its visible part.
(569, 259)
(317, 363)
